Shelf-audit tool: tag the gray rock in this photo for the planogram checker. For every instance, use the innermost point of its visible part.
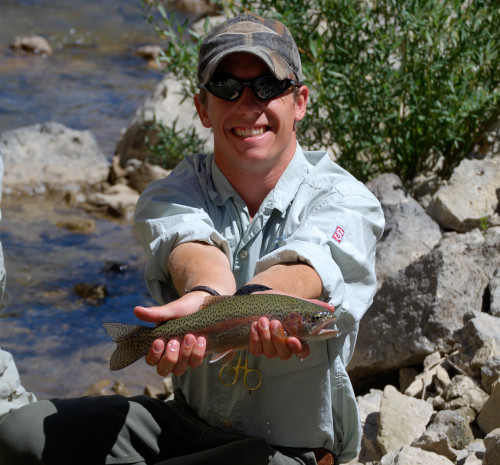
(402, 419)
(50, 157)
(490, 372)
(418, 310)
(35, 44)
(414, 456)
(489, 417)
(495, 292)
(492, 443)
(464, 392)
(369, 407)
(479, 327)
(470, 198)
(403, 240)
(488, 349)
(118, 200)
(456, 425)
(437, 442)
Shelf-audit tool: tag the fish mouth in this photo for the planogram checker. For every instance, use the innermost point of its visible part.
(323, 333)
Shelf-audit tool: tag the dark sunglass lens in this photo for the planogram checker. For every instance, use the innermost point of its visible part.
(268, 87)
(228, 89)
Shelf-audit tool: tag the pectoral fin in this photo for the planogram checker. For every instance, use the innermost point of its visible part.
(225, 356)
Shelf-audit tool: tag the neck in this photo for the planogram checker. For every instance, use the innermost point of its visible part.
(253, 185)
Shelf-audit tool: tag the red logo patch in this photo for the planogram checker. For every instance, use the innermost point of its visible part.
(338, 234)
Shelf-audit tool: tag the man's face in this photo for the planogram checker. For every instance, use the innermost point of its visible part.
(251, 134)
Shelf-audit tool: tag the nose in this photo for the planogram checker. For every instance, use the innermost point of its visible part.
(248, 101)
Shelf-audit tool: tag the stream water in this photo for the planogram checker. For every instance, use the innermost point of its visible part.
(92, 81)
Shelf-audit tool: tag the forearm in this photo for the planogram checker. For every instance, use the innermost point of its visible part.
(198, 264)
(297, 279)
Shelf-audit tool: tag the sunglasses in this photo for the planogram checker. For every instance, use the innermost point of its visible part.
(264, 88)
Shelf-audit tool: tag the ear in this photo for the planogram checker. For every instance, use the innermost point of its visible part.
(202, 112)
(301, 103)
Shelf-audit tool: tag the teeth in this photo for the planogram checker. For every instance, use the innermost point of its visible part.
(247, 132)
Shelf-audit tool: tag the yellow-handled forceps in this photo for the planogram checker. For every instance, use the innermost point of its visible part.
(252, 379)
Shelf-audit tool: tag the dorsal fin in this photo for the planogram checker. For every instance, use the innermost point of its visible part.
(213, 299)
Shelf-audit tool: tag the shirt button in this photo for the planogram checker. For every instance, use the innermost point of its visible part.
(243, 254)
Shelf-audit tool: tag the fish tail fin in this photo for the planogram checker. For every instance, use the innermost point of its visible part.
(133, 342)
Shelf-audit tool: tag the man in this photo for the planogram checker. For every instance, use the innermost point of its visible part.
(12, 393)
(259, 214)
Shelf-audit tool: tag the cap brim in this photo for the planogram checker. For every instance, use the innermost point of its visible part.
(276, 64)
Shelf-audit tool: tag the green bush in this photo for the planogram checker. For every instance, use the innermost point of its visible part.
(400, 86)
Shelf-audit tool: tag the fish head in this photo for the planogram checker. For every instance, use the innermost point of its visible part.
(310, 324)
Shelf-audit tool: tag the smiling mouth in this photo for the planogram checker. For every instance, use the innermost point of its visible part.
(249, 132)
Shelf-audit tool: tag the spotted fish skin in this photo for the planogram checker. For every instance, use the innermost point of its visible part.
(225, 323)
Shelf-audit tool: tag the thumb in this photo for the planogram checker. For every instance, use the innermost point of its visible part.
(181, 307)
(154, 314)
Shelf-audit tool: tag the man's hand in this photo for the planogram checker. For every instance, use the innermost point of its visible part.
(269, 339)
(172, 356)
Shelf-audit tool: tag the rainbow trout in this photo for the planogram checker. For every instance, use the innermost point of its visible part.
(225, 323)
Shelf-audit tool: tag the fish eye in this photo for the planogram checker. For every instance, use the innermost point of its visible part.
(317, 317)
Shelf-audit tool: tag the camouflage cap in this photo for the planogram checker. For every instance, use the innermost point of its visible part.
(267, 39)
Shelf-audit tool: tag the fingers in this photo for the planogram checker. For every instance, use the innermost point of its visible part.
(269, 339)
(183, 306)
(175, 357)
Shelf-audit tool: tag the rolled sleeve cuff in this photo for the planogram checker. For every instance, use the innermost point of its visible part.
(318, 257)
(157, 277)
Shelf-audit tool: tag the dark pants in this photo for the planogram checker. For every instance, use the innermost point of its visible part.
(128, 430)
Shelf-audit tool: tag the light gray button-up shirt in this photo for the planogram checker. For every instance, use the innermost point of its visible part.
(317, 214)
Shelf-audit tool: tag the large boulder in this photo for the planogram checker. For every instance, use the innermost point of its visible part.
(418, 310)
(409, 232)
(50, 157)
(470, 199)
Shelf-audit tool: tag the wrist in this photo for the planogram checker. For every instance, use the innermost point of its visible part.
(251, 288)
(207, 289)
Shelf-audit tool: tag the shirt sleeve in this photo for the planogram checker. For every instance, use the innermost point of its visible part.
(336, 228)
(170, 212)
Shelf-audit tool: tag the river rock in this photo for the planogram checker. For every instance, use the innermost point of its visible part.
(118, 200)
(150, 53)
(140, 174)
(50, 157)
(470, 197)
(78, 225)
(35, 44)
(402, 419)
(403, 240)
(164, 106)
(414, 456)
